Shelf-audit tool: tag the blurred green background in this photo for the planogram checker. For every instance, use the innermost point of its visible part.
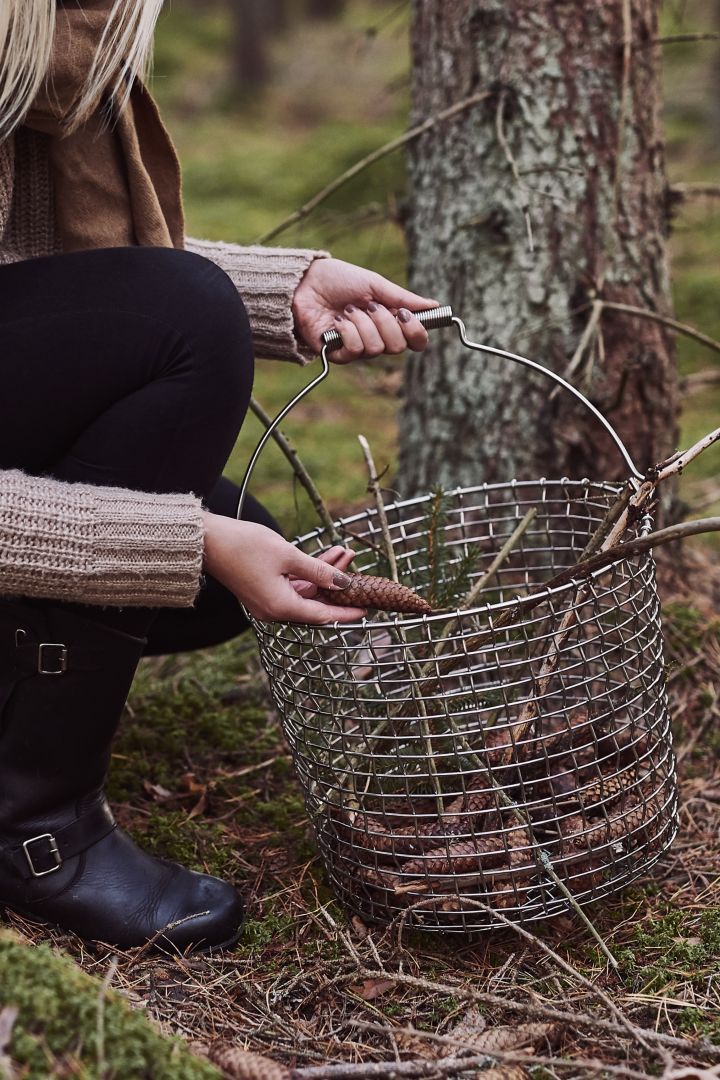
(335, 88)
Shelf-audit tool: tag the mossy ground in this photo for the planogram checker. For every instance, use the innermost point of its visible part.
(67, 1024)
(201, 772)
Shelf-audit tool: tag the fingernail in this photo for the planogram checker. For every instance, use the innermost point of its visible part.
(349, 309)
(404, 315)
(343, 581)
(372, 306)
(338, 318)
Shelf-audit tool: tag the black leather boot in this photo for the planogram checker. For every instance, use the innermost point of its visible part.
(63, 683)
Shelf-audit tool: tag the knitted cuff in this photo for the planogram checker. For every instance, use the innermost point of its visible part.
(98, 545)
(147, 549)
(266, 278)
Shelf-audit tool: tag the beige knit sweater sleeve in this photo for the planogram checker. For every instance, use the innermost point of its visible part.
(98, 545)
(266, 278)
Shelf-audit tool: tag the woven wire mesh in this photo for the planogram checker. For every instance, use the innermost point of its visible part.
(446, 761)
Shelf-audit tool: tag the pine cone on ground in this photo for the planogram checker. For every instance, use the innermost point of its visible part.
(368, 591)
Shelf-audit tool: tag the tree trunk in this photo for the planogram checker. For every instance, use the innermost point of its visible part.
(583, 153)
(325, 9)
(250, 64)
(276, 16)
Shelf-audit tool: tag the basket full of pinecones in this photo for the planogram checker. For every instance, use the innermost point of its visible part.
(502, 743)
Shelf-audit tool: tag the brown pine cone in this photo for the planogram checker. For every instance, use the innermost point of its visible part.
(368, 591)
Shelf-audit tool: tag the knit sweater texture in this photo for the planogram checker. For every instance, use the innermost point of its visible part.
(110, 546)
(98, 545)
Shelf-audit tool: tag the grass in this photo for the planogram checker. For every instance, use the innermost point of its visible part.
(201, 771)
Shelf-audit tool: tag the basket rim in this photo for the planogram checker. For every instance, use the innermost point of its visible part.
(641, 562)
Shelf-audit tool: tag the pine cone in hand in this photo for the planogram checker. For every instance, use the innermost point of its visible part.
(380, 593)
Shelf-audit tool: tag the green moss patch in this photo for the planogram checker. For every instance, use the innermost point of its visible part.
(68, 1024)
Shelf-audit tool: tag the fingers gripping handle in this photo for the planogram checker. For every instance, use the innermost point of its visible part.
(432, 319)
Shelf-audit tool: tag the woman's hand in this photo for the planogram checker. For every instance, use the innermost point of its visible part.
(372, 315)
(274, 580)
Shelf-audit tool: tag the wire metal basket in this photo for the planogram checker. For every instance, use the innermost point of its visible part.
(507, 757)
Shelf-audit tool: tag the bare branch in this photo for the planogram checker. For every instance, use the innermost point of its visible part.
(676, 39)
(688, 190)
(300, 471)
(664, 320)
(537, 1008)
(634, 547)
(374, 488)
(366, 162)
(698, 380)
(677, 463)
(387, 1070)
(586, 338)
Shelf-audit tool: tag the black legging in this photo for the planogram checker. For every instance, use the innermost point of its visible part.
(130, 367)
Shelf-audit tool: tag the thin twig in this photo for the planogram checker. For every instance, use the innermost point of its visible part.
(508, 1056)
(388, 1070)
(537, 1008)
(300, 471)
(505, 146)
(664, 320)
(100, 1019)
(587, 336)
(565, 965)
(698, 380)
(376, 155)
(699, 190)
(550, 869)
(678, 462)
(374, 488)
(478, 586)
(634, 547)
(507, 548)
(676, 39)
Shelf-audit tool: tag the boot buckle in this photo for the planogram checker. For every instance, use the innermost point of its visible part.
(52, 663)
(52, 851)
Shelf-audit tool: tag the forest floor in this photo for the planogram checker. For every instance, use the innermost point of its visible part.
(201, 772)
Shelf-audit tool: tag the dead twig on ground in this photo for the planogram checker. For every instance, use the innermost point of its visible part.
(578, 1020)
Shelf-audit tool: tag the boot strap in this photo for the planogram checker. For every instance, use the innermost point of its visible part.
(45, 853)
(51, 657)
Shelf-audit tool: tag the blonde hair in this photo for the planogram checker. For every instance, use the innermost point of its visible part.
(26, 36)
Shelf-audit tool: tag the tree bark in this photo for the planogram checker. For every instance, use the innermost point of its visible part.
(571, 133)
(250, 63)
(276, 16)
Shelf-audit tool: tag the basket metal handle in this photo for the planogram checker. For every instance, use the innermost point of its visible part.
(433, 319)
(534, 366)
